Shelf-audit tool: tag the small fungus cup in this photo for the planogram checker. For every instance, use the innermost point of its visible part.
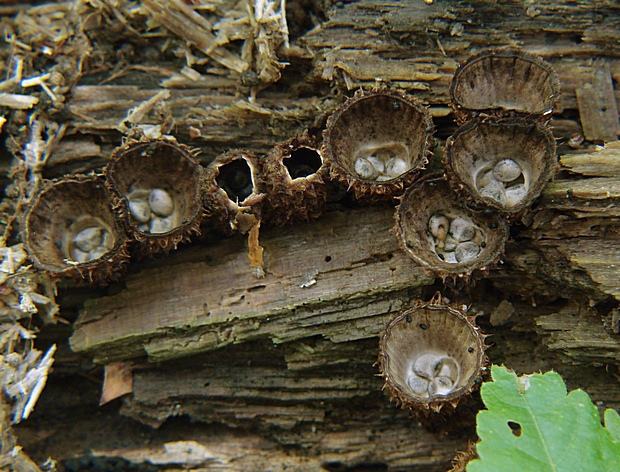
(233, 198)
(505, 81)
(444, 237)
(294, 174)
(503, 164)
(378, 142)
(156, 186)
(71, 230)
(431, 356)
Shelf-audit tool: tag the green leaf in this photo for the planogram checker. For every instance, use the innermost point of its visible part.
(612, 423)
(551, 431)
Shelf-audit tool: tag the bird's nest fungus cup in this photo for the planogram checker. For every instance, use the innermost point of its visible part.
(294, 175)
(378, 142)
(431, 356)
(233, 196)
(444, 237)
(503, 164)
(156, 186)
(505, 81)
(72, 231)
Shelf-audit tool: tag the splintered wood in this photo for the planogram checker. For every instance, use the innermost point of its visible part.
(255, 250)
(277, 372)
(188, 305)
(598, 108)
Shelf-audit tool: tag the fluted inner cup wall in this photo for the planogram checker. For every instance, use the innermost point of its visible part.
(71, 225)
(431, 355)
(503, 164)
(378, 141)
(161, 184)
(505, 80)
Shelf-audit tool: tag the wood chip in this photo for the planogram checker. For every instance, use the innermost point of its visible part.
(118, 381)
(502, 313)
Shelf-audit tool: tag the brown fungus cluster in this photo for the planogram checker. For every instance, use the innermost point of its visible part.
(503, 155)
(155, 195)
(498, 162)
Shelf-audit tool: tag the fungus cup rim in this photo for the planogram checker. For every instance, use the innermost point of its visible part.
(433, 403)
(505, 53)
(462, 271)
(101, 270)
(371, 188)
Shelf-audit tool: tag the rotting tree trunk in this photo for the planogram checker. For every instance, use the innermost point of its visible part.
(280, 367)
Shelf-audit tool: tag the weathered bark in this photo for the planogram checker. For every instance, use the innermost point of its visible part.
(286, 360)
(341, 276)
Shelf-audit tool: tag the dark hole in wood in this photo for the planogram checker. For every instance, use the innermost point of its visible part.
(362, 467)
(236, 180)
(303, 162)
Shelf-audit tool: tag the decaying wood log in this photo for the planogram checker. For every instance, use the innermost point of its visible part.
(240, 372)
(335, 277)
(346, 267)
(330, 287)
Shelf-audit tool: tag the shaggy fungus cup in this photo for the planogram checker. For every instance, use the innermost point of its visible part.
(431, 356)
(505, 81)
(378, 142)
(293, 174)
(156, 185)
(71, 230)
(446, 238)
(502, 164)
(232, 199)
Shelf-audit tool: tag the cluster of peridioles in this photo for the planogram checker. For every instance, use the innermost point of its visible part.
(155, 194)
(81, 226)
(455, 225)
(431, 356)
